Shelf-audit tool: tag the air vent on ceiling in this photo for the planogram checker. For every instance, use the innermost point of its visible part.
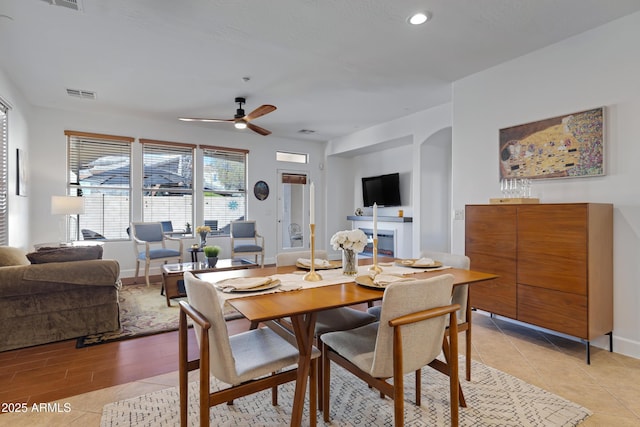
(306, 131)
(71, 4)
(84, 94)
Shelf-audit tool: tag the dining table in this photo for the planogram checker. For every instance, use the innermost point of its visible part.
(301, 300)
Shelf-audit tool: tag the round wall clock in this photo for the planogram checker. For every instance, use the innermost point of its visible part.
(261, 190)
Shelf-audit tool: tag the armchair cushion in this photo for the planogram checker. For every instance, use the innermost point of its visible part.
(247, 248)
(46, 255)
(12, 256)
(159, 253)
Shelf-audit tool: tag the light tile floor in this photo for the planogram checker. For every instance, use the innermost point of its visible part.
(609, 386)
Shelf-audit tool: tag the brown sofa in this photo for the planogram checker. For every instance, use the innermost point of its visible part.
(54, 301)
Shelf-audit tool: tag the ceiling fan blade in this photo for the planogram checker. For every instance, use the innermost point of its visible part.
(194, 119)
(258, 129)
(260, 111)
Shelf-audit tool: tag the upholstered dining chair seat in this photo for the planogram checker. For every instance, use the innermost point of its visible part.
(260, 351)
(358, 345)
(339, 319)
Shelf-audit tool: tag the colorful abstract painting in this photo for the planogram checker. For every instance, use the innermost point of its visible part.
(560, 147)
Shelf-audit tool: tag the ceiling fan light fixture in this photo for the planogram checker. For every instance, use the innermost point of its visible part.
(419, 18)
(240, 124)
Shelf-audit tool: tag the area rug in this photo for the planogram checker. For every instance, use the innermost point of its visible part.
(143, 311)
(494, 398)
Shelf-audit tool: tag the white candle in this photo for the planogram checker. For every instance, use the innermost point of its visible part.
(312, 204)
(375, 220)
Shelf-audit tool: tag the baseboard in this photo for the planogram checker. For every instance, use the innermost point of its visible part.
(621, 345)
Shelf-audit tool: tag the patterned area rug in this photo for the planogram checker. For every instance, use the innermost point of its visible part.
(494, 398)
(143, 311)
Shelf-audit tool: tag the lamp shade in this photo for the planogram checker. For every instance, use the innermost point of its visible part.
(67, 205)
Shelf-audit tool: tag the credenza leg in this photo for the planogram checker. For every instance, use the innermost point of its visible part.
(588, 344)
(610, 341)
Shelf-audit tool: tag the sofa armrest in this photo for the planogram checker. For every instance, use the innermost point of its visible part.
(104, 272)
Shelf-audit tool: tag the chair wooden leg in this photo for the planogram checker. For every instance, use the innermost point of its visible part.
(320, 375)
(467, 337)
(274, 396)
(314, 397)
(418, 387)
(326, 382)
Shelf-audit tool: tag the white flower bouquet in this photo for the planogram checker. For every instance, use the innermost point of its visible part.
(354, 240)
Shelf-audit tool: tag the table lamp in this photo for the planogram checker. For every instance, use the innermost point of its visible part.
(68, 205)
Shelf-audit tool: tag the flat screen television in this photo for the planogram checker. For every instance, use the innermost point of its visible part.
(383, 190)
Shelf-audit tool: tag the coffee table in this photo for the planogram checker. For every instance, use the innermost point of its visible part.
(172, 274)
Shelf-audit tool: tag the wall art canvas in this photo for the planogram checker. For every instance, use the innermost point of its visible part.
(560, 147)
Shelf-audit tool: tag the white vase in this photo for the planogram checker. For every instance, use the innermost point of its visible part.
(349, 262)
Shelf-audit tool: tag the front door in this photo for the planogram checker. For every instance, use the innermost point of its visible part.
(293, 224)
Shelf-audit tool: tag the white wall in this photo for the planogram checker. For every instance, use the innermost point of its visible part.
(396, 146)
(597, 68)
(47, 155)
(19, 136)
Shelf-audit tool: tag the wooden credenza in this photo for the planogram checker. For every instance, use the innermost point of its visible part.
(555, 263)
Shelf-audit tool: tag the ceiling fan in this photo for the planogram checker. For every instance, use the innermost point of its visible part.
(240, 120)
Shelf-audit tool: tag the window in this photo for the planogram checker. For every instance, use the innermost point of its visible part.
(4, 185)
(284, 156)
(167, 183)
(224, 186)
(99, 170)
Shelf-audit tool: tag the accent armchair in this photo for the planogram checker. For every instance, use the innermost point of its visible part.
(245, 240)
(150, 237)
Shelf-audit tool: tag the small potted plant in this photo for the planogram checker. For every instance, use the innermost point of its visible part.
(211, 252)
(187, 228)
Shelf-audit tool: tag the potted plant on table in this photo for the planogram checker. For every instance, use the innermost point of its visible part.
(211, 253)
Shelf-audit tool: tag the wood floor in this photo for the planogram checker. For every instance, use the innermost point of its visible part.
(609, 386)
(59, 370)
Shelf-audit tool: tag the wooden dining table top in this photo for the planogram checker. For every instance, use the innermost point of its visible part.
(259, 308)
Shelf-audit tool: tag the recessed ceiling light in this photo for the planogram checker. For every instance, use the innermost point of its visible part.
(419, 18)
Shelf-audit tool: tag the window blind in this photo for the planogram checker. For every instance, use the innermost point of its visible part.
(167, 182)
(99, 169)
(224, 186)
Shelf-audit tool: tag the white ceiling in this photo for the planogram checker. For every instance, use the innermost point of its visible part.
(332, 66)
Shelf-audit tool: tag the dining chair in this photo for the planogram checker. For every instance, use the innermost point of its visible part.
(248, 362)
(335, 319)
(409, 335)
(460, 296)
(290, 258)
(151, 237)
(245, 240)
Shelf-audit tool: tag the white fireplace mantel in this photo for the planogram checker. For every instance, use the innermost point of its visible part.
(401, 226)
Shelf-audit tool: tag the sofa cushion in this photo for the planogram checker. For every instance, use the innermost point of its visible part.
(12, 256)
(46, 255)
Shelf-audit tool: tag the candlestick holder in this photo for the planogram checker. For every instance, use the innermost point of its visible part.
(375, 267)
(312, 276)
